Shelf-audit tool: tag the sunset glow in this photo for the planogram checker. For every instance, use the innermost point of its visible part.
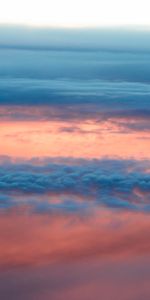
(74, 151)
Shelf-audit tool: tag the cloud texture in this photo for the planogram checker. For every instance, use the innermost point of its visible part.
(110, 183)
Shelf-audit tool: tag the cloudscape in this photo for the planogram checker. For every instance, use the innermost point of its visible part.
(74, 155)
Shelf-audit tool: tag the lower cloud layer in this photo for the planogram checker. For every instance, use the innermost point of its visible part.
(74, 228)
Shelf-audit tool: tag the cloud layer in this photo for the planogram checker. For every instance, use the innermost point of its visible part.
(73, 226)
(110, 183)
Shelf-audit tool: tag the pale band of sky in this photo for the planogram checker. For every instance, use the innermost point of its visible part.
(76, 13)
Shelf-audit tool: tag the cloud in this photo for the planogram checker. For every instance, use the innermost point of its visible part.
(72, 117)
(110, 183)
(31, 38)
(76, 85)
(124, 104)
(62, 237)
(31, 91)
(79, 280)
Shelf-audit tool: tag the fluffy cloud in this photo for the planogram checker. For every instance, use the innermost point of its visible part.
(112, 183)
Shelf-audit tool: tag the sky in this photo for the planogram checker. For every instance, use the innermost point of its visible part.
(79, 13)
(74, 164)
(74, 152)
